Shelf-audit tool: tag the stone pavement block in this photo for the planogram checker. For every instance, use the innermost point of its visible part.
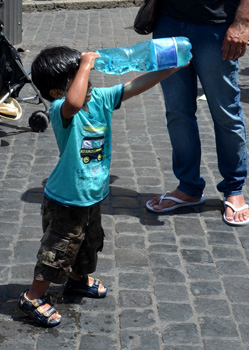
(168, 275)
(162, 237)
(105, 264)
(9, 216)
(192, 242)
(190, 227)
(103, 323)
(241, 312)
(132, 318)
(245, 242)
(171, 292)
(244, 332)
(215, 307)
(185, 333)
(100, 342)
(128, 259)
(227, 253)
(217, 344)
(163, 248)
(22, 272)
(134, 281)
(129, 227)
(196, 256)
(217, 327)
(4, 271)
(237, 288)
(237, 268)
(26, 251)
(206, 288)
(137, 340)
(5, 257)
(99, 305)
(174, 312)
(48, 340)
(217, 237)
(198, 271)
(135, 299)
(166, 260)
(133, 241)
(217, 225)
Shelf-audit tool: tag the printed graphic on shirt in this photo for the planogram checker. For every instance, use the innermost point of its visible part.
(92, 148)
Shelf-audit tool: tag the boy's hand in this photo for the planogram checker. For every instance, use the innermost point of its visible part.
(76, 94)
(88, 58)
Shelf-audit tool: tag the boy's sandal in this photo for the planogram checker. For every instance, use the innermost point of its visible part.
(82, 287)
(30, 308)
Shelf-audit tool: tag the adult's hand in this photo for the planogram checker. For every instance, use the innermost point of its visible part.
(235, 41)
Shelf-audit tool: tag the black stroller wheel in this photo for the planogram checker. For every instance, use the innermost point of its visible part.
(38, 121)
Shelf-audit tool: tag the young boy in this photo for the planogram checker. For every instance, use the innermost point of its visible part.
(81, 120)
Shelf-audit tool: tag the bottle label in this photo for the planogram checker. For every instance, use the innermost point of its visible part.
(166, 53)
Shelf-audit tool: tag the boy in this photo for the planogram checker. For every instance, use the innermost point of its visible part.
(81, 120)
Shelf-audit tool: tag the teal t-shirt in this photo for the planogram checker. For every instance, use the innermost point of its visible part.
(81, 176)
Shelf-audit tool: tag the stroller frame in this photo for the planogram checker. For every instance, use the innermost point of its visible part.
(38, 120)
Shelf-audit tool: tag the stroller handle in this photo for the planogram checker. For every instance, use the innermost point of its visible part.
(1, 25)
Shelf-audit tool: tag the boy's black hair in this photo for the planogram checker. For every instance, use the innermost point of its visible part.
(53, 67)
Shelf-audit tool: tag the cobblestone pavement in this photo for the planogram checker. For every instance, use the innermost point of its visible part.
(178, 281)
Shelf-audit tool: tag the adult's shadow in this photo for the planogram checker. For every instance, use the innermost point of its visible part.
(126, 202)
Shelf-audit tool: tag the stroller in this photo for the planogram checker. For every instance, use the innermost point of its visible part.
(13, 77)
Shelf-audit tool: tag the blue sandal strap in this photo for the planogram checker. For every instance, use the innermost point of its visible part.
(30, 307)
(83, 288)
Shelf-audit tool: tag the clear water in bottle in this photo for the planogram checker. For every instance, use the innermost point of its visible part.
(145, 56)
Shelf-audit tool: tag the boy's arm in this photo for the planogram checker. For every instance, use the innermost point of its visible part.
(146, 81)
(76, 94)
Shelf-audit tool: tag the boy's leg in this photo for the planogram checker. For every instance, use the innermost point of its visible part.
(38, 289)
(53, 263)
(32, 303)
(86, 260)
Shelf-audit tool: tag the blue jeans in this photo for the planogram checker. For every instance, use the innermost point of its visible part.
(219, 80)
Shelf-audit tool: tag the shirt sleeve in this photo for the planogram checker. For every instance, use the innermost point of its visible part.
(113, 96)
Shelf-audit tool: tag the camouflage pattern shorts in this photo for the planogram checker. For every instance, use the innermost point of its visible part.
(72, 238)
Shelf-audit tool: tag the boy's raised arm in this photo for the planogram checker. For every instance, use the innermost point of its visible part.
(146, 81)
(77, 89)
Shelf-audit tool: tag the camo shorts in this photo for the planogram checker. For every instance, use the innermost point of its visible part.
(72, 238)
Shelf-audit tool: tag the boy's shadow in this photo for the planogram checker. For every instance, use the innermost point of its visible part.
(126, 202)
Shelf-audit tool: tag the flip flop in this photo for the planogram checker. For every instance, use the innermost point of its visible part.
(236, 210)
(180, 204)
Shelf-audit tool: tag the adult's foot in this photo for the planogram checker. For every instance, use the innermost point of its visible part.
(158, 204)
(238, 202)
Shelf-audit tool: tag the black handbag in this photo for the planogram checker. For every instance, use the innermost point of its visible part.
(145, 19)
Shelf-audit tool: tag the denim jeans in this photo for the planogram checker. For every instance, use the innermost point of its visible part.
(219, 80)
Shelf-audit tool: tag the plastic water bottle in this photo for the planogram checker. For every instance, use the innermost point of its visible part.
(145, 56)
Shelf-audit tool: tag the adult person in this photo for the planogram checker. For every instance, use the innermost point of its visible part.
(218, 31)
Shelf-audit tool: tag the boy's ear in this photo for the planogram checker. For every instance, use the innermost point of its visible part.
(55, 93)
